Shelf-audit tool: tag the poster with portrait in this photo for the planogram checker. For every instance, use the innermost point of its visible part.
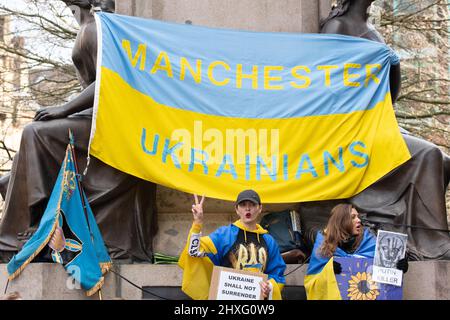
(389, 249)
(355, 282)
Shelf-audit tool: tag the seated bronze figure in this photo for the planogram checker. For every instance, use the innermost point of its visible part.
(411, 198)
(124, 206)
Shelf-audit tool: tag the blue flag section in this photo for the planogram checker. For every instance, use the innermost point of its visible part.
(69, 225)
(355, 281)
(308, 117)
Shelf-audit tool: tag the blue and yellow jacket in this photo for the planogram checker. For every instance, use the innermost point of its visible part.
(320, 281)
(224, 247)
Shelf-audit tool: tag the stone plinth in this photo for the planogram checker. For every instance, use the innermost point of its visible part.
(429, 280)
(174, 215)
(261, 15)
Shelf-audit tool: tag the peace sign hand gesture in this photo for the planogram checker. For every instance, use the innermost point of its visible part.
(197, 209)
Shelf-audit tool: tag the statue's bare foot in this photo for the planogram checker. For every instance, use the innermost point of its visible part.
(27, 234)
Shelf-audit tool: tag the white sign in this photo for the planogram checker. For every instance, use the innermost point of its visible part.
(230, 284)
(389, 249)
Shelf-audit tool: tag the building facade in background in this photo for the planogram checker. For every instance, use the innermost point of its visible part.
(419, 32)
(14, 112)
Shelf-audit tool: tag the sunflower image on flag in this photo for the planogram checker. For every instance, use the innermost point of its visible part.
(356, 283)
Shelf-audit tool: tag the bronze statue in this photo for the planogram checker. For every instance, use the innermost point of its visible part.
(124, 206)
(411, 198)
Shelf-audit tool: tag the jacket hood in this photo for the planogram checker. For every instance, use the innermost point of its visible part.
(259, 229)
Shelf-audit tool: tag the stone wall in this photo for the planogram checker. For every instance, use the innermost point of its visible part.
(175, 218)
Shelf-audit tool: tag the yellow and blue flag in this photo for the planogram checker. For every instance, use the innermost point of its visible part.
(297, 117)
(83, 253)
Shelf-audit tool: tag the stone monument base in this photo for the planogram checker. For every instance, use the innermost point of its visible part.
(425, 280)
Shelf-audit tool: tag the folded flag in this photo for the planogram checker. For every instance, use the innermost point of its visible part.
(320, 280)
(68, 219)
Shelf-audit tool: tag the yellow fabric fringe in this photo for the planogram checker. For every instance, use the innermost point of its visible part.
(95, 288)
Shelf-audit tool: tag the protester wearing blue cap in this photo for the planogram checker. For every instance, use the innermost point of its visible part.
(242, 245)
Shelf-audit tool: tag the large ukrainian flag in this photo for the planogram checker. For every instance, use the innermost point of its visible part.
(297, 117)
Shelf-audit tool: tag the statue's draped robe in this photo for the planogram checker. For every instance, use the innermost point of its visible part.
(412, 194)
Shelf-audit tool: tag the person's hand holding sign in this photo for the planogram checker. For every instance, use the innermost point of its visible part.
(197, 210)
(265, 289)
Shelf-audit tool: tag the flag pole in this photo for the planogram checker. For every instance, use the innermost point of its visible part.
(100, 297)
(6, 288)
(80, 188)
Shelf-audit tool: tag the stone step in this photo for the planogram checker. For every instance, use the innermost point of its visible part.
(425, 280)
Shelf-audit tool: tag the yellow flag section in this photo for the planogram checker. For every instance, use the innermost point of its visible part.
(355, 153)
(197, 271)
(323, 285)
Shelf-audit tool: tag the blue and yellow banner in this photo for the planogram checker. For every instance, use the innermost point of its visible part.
(320, 281)
(297, 117)
(70, 230)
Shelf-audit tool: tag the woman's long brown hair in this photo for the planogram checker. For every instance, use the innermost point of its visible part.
(339, 228)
